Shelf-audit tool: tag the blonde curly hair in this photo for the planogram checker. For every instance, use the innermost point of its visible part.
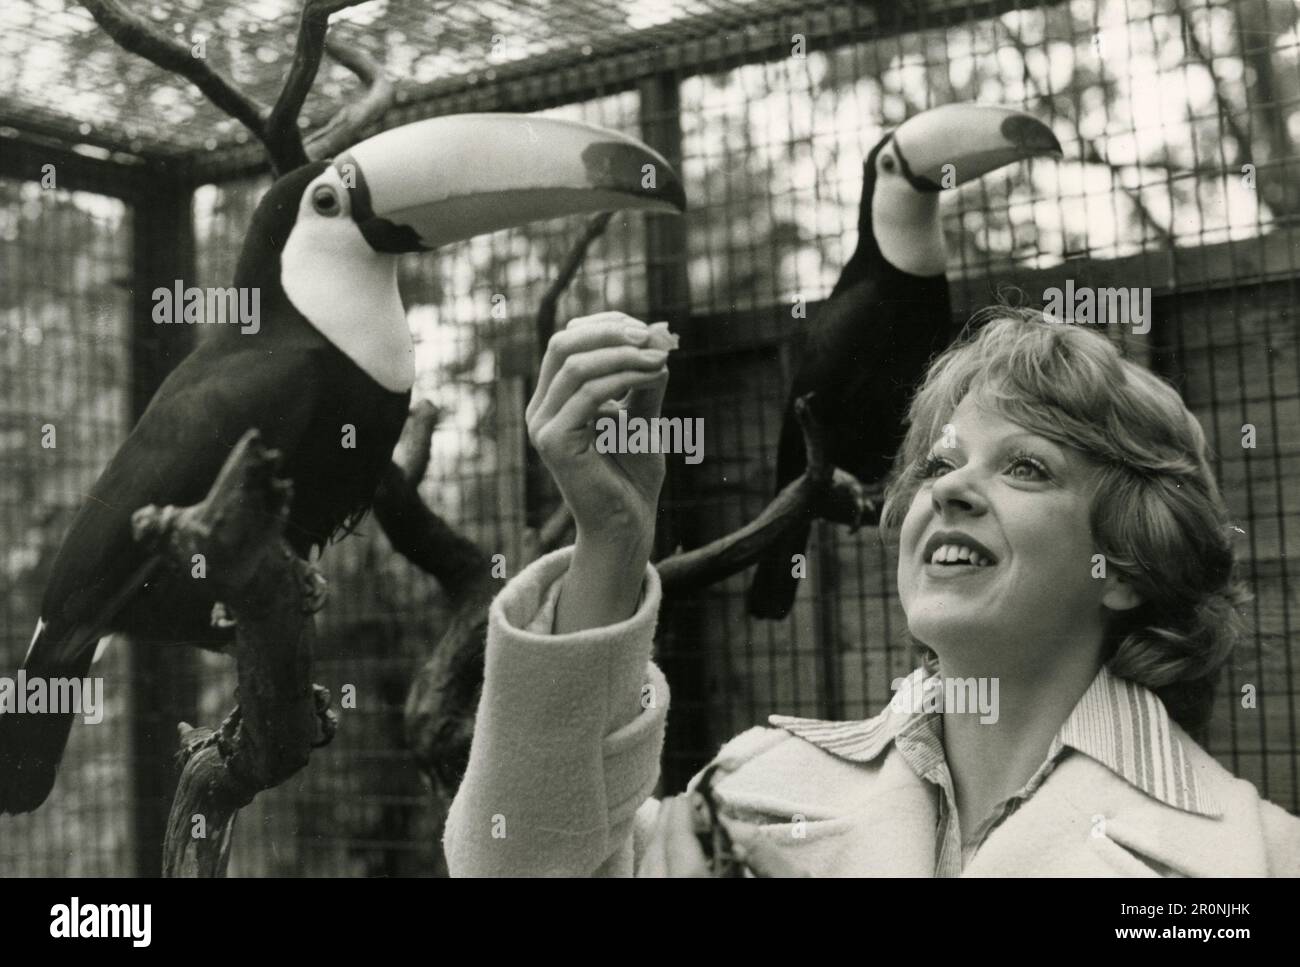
(1156, 511)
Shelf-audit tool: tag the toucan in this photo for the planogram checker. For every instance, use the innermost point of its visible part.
(889, 312)
(325, 375)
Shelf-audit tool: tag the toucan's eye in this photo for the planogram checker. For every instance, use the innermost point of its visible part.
(887, 163)
(325, 201)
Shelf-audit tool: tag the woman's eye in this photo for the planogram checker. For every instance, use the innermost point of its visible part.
(1028, 468)
(325, 201)
(933, 466)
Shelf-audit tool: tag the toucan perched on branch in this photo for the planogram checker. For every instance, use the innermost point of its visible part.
(331, 359)
(889, 313)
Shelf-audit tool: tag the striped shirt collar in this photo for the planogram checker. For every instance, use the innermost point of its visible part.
(1120, 724)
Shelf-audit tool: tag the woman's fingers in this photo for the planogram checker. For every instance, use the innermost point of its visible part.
(579, 371)
(586, 333)
(578, 412)
(648, 400)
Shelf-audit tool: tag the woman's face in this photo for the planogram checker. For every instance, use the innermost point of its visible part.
(996, 548)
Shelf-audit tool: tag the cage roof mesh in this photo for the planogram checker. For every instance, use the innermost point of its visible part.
(63, 77)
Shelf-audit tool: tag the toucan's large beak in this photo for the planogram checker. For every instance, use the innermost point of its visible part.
(974, 138)
(450, 178)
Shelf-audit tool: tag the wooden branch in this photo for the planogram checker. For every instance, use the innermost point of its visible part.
(822, 491)
(346, 127)
(425, 539)
(283, 139)
(1093, 155)
(137, 35)
(238, 528)
(413, 449)
(546, 308)
(415, 531)
(1227, 113)
(277, 129)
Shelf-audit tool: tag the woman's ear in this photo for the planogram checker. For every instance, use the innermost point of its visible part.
(1119, 595)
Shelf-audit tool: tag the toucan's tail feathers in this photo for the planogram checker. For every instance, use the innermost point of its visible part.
(32, 743)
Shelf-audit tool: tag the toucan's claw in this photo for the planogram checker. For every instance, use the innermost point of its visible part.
(315, 589)
(221, 616)
(861, 506)
(845, 500)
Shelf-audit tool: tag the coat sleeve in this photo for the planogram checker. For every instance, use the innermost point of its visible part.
(567, 737)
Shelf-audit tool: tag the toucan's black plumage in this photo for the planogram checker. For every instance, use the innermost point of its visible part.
(289, 382)
(889, 312)
(331, 359)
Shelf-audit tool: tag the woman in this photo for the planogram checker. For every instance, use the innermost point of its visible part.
(1063, 554)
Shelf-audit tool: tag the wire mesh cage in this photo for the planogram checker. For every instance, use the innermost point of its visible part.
(1178, 119)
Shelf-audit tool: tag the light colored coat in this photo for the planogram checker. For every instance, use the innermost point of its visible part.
(553, 788)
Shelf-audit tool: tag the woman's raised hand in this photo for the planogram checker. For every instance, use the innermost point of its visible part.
(595, 366)
(593, 362)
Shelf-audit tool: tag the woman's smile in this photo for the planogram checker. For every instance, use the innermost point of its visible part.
(956, 572)
(951, 554)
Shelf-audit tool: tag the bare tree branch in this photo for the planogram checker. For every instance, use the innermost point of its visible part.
(546, 308)
(238, 528)
(277, 129)
(822, 490)
(139, 36)
(346, 127)
(416, 443)
(282, 135)
(1227, 113)
(1092, 153)
(425, 539)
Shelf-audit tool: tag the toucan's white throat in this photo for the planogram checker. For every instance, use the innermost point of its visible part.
(908, 228)
(348, 291)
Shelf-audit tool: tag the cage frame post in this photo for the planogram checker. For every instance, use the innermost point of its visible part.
(163, 678)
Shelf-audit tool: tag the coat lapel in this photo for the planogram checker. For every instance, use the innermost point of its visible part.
(1131, 795)
(1087, 821)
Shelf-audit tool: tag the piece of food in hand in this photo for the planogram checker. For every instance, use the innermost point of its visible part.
(661, 338)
